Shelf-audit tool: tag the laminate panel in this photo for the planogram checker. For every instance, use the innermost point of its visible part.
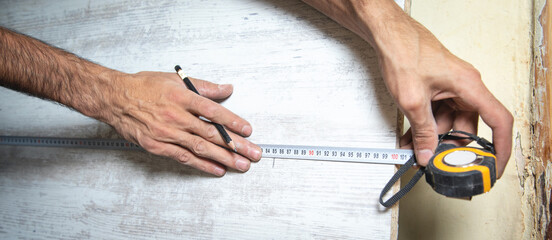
(298, 77)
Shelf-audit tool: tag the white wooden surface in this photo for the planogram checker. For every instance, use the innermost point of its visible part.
(299, 78)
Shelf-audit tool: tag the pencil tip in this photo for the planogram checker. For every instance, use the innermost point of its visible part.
(177, 68)
(232, 146)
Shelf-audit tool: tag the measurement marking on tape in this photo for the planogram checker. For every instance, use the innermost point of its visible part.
(341, 154)
(115, 144)
(319, 153)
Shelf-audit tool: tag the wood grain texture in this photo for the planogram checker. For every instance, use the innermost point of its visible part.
(541, 123)
(299, 78)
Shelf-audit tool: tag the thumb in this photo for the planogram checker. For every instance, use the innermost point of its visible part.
(424, 132)
(212, 90)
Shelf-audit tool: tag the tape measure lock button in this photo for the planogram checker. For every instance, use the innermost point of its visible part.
(461, 158)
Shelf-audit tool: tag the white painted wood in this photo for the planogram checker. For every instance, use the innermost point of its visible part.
(299, 78)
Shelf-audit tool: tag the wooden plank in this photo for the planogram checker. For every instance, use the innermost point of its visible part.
(299, 78)
(540, 162)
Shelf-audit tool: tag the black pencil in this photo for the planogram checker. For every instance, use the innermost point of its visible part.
(219, 127)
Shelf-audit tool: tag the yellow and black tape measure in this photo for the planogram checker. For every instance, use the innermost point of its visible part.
(458, 172)
(461, 171)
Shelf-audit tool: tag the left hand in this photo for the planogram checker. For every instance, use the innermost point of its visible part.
(158, 112)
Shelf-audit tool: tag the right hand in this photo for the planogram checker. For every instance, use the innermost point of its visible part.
(158, 112)
(437, 92)
(434, 89)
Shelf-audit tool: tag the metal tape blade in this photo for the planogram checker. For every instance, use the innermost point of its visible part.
(318, 153)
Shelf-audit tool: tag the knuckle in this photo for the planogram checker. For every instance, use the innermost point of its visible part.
(509, 118)
(468, 79)
(158, 131)
(199, 146)
(411, 102)
(192, 126)
(212, 132)
(209, 109)
(472, 74)
(182, 157)
(168, 115)
(175, 94)
(150, 145)
(424, 136)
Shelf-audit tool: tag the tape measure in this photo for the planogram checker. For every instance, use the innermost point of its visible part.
(339, 154)
(109, 144)
(458, 172)
(461, 171)
(319, 153)
(452, 171)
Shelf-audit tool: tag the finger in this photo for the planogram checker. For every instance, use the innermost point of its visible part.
(467, 122)
(200, 147)
(212, 90)
(500, 120)
(444, 118)
(216, 113)
(209, 132)
(205, 149)
(448, 118)
(182, 156)
(424, 130)
(497, 117)
(205, 88)
(188, 122)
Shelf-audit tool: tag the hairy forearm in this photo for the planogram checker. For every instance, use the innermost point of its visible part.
(397, 38)
(379, 22)
(153, 109)
(36, 68)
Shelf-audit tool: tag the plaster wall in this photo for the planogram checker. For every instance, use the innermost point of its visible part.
(494, 36)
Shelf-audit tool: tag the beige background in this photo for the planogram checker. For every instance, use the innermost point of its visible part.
(495, 37)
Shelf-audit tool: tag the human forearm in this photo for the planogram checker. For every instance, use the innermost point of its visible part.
(393, 34)
(153, 109)
(34, 67)
(434, 89)
(376, 21)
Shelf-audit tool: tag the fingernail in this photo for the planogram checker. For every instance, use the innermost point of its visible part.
(225, 87)
(254, 153)
(219, 171)
(246, 130)
(242, 165)
(423, 156)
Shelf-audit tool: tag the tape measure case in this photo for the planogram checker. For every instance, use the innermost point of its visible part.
(461, 178)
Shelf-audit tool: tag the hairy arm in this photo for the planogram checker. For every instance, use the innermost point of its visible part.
(34, 67)
(434, 89)
(153, 109)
